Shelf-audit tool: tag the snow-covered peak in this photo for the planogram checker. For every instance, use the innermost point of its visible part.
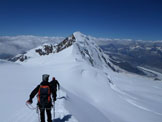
(79, 36)
(78, 33)
(84, 49)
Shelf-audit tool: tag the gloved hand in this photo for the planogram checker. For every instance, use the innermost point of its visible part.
(30, 101)
(54, 99)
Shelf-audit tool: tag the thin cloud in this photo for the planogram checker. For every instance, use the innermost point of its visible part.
(19, 44)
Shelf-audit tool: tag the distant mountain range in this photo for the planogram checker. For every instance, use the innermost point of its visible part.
(126, 53)
(136, 53)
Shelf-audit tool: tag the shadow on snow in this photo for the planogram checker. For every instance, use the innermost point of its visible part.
(65, 118)
(62, 98)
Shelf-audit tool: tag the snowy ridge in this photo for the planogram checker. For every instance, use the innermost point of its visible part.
(90, 51)
(61, 113)
(45, 49)
(91, 91)
(84, 48)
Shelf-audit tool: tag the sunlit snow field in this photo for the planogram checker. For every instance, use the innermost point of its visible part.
(88, 94)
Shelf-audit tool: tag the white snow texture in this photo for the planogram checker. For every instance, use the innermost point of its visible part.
(90, 90)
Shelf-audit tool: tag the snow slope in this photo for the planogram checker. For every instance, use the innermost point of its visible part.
(91, 90)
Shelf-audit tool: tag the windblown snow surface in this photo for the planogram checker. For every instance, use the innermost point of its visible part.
(88, 93)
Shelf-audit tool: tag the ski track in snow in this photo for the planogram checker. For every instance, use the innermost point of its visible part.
(27, 115)
(141, 107)
(130, 99)
(118, 90)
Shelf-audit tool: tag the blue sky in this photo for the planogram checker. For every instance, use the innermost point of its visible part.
(135, 19)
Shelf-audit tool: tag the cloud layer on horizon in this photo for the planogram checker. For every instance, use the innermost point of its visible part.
(12, 45)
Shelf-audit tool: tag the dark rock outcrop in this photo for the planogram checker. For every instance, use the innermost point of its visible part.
(45, 51)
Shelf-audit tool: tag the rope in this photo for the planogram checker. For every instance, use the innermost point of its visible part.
(30, 106)
(33, 108)
(37, 110)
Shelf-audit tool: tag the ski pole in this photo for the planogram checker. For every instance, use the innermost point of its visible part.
(59, 93)
(37, 111)
(53, 112)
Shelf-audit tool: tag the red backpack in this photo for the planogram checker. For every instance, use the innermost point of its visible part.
(44, 95)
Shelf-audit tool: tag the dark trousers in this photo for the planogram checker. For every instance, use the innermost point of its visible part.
(42, 114)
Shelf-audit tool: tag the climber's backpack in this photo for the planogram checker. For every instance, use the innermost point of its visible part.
(44, 95)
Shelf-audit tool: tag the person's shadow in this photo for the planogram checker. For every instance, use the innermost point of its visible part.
(65, 118)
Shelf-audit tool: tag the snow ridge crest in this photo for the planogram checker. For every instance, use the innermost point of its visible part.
(84, 48)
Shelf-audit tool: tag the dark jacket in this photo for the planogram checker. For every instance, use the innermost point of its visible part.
(55, 84)
(35, 91)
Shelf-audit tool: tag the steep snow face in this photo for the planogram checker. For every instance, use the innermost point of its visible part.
(86, 47)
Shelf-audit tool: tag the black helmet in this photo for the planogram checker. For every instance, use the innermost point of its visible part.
(45, 77)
